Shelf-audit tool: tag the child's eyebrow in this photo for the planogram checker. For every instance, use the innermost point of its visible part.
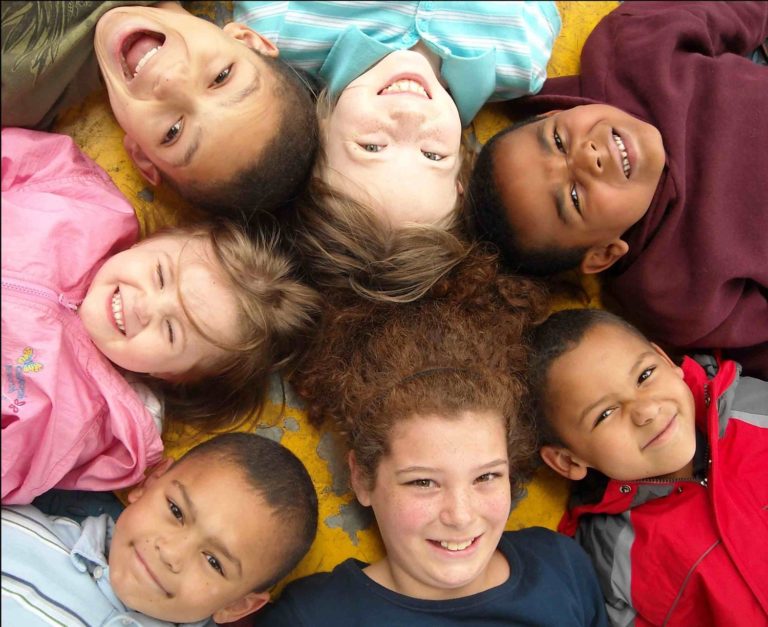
(547, 148)
(214, 542)
(254, 85)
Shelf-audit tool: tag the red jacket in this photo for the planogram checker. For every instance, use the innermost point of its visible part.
(689, 551)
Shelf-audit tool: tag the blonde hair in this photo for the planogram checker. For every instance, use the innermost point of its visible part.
(463, 347)
(345, 246)
(277, 315)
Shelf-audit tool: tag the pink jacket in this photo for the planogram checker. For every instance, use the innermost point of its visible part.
(69, 419)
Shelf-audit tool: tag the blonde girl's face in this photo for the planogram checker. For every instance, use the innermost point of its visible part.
(393, 140)
(138, 307)
(441, 500)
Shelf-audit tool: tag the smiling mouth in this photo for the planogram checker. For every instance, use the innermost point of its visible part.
(406, 86)
(150, 573)
(137, 49)
(623, 152)
(117, 310)
(456, 546)
(660, 433)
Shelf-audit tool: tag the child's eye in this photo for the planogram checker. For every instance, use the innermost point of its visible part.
(488, 476)
(215, 564)
(222, 76)
(432, 156)
(421, 483)
(170, 331)
(645, 374)
(558, 141)
(575, 199)
(175, 510)
(173, 132)
(160, 277)
(372, 147)
(603, 415)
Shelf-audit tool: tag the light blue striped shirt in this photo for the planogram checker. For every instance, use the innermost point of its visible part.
(489, 50)
(55, 572)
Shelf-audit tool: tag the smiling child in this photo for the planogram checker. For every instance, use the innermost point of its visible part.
(427, 395)
(647, 167)
(211, 111)
(671, 498)
(184, 550)
(101, 333)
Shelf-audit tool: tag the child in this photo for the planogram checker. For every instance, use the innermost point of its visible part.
(673, 502)
(427, 395)
(213, 112)
(401, 85)
(650, 166)
(205, 314)
(184, 549)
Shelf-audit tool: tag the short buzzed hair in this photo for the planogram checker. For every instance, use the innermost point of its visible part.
(560, 333)
(486, 218)
(281, 479)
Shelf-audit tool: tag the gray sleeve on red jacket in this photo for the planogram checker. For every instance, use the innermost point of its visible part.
(608, 540)
(745, 400)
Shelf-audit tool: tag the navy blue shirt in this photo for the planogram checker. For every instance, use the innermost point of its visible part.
(551, 582)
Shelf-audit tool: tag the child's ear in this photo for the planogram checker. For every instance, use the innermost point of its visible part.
(252, 39)
(359, 485)
(158, 471)
(148, 169)
(242, 607)
(602, 256)
(563, 462)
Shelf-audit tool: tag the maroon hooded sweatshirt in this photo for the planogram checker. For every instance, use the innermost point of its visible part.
(696, 274)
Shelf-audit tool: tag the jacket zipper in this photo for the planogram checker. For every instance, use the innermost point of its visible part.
(39, 291)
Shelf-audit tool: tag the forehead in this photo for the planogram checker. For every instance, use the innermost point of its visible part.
(235, 129)
(422, 194)
(520, 173)
(608, 349)
(238, 515)
(471, 436)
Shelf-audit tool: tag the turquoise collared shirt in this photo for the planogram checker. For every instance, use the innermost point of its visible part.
(490, 51)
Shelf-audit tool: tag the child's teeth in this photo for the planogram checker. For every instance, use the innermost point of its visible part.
(117, 311)
(405, 85)
(147, 56)
(455, 546)
(624, 155)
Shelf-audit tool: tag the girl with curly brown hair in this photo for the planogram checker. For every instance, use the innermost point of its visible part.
(427, 395)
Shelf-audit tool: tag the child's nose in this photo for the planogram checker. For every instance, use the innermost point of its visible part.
(408, 119)
(644, 411)
(141, 310)
(171, 81)
(457, 509)
(587, 158)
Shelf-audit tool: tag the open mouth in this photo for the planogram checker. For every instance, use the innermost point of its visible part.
(117, 310)
(406, 85)
(623, 152)
(137, 49)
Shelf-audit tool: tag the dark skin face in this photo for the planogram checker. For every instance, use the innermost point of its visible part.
(579, 178)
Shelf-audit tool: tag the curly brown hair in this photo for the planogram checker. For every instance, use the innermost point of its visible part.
(463, 347)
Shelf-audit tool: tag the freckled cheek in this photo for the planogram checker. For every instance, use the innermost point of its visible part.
(496, 508)
(409, 515)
